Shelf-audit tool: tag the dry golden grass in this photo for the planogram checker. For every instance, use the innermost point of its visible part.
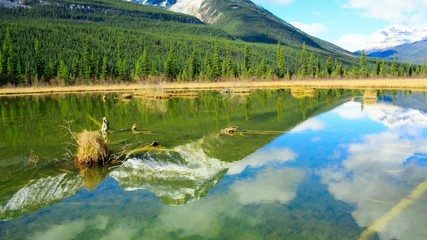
(92, 149)
(398, 84)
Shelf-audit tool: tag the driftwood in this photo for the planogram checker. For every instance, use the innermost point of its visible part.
(229, 130)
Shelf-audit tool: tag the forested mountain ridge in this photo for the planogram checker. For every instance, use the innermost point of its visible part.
(248, 21)
(86, 41)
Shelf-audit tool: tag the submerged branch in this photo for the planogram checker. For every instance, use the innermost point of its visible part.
(381, 223)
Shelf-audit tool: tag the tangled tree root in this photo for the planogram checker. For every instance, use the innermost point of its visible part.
(92, 149)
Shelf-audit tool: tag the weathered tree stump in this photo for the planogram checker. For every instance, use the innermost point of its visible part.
(92, 149)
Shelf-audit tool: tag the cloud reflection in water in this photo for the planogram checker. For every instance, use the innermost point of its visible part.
(375, 176)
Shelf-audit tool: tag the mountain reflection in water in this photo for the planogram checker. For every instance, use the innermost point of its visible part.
(177, 177)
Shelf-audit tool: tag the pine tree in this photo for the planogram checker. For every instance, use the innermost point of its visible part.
(193, 64)
(363, 65)
(394, 71)
(87, 61)
(39, 65)
(229, 71)
(28, 74)
(207, 72)
(2, 69)
(410, 70)
(355, 72)
(75, 69)
(339, 69)
(8, 61)
(171, 67)
(4, 57)
(122, 69)
(183, 76)
(247, 62)
(10, 66)
(142, 68)
(50, 70)
(318, 67)
(304, 66)
(424, 68)
(217, 63)
(93, 64)
(329, 66)
(280, 62)
(262, 69)
(377, 67)
(19, 72)
(104, 69)
(146, 65)
(312, 66)
(63, 72)
(383, 67)
(224, 68)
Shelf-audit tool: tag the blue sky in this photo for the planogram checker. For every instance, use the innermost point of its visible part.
(347, 23)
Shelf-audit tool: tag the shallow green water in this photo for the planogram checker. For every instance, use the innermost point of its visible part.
(319, 166)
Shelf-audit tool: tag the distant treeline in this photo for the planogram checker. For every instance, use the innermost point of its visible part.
(44, 56)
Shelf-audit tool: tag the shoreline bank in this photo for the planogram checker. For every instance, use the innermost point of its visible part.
(386, 84)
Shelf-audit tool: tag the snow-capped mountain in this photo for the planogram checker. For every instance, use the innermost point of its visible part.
(395, 35)
(408, 43)
(190, 7)
(156, 3)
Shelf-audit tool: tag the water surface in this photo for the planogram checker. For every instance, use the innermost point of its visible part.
(311, 165)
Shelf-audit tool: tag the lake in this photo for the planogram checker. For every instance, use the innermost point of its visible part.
(302, 164)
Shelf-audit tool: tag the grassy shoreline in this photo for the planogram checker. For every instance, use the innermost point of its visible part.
(395, 84)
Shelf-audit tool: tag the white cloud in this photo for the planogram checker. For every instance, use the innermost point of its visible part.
(349, 110)
(388, 115)
(394, 11)
(261, 158)
(352, 42)
(313, 29)
(69, 230)
(312, 124)
(388, 148)
(72, 229)
(269, 186)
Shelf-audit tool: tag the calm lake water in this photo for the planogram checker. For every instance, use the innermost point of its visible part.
(310, 165)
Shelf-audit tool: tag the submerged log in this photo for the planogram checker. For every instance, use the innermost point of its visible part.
(92, 148)
(154, 144)
(229, 130)
(126, 96)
